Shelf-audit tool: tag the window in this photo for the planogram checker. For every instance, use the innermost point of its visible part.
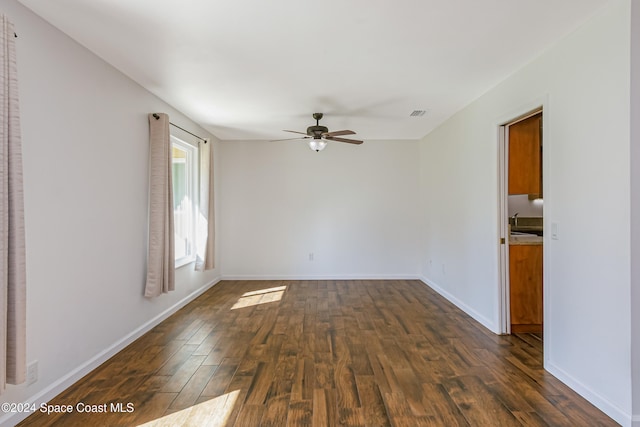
(185, 173)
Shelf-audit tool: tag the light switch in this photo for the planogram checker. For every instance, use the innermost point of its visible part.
(554, 230)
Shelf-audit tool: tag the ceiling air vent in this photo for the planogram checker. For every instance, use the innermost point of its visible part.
(418, 113)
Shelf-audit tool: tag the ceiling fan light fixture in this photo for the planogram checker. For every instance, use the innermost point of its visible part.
(317, 144)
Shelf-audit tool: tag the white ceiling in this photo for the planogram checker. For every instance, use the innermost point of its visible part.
(246, 69)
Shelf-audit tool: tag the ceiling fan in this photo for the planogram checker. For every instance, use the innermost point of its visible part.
(319, 135)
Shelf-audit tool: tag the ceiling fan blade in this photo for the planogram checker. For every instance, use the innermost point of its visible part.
(339, 132)
(295, 131)
(350, 141)
(290, 139)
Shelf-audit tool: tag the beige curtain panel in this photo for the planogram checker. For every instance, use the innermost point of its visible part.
(206, 221)
(12, 243)
(160, 253)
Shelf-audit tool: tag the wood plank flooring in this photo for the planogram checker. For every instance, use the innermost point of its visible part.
(324, 353)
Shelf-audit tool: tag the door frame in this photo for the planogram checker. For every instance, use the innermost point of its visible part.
(504, 314)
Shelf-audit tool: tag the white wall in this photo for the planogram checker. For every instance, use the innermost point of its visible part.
(85, 143)
(635, 207)
(353, 207)
(583, 82)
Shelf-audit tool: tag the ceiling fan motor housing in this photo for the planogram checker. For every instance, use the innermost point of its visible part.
(317, 131)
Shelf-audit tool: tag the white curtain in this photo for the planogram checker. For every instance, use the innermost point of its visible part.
(205, 254)
(12, 243)
(160, 258)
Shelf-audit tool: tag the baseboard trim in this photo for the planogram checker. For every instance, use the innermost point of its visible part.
(613, 411)
(344, 277)
(69, 379)
(461, 305)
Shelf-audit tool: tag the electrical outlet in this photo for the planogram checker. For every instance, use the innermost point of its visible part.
(310, 256)
(32, 372)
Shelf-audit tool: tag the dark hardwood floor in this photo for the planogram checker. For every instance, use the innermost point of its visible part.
(324, 353)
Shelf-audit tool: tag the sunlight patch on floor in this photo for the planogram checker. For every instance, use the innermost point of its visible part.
(261, 296)
(212, 413)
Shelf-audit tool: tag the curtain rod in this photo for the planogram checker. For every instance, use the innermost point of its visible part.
(155, 116)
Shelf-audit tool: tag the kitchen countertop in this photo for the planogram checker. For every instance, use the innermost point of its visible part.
(537, 241)
(529, 233)
(525, 239)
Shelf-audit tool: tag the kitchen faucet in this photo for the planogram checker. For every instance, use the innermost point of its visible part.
(515, 219)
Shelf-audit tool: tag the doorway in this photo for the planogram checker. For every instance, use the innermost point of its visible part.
(521, 225)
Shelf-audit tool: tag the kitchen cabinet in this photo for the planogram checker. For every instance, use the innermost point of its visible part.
(525, 157)
(525, 288)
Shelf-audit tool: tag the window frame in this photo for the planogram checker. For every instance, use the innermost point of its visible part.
(191, 177)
